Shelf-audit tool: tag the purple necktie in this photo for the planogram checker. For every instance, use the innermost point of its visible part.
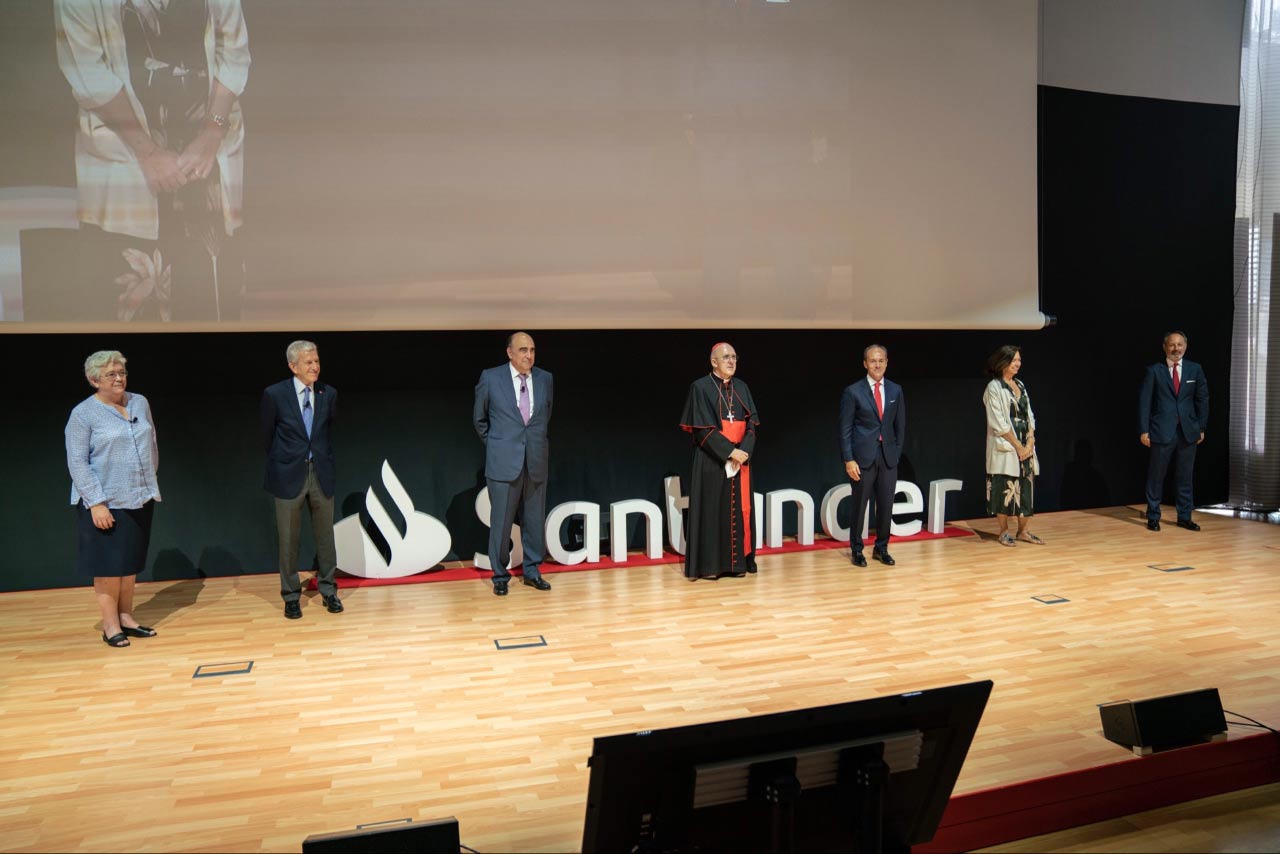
(524, 399)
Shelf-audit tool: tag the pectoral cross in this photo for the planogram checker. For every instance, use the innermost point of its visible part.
(730, 416)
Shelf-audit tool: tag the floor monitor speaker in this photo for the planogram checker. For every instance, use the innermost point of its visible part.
(1161, 723)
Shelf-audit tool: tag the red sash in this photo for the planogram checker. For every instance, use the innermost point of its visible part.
(734, 431)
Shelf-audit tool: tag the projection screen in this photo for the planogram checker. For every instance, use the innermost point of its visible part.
(476, 164)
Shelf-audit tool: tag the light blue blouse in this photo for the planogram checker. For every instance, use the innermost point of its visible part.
(112, 459)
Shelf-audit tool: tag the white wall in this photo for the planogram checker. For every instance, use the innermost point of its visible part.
(1180, 50)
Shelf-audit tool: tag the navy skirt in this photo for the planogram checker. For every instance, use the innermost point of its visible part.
(118, 551)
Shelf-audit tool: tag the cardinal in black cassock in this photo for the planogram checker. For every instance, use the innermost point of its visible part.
(722, 418)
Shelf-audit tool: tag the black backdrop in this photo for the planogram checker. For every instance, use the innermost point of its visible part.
(1136, 207)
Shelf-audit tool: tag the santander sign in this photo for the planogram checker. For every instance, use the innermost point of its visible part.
(426, 541)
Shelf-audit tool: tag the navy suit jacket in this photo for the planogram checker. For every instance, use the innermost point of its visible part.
(1162, 415)
(861, 426)
(509, 443)
(284, 438)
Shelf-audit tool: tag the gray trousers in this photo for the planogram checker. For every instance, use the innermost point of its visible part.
(505, 497)
(288, 530)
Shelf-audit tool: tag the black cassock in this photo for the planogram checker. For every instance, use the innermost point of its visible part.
(721, 524)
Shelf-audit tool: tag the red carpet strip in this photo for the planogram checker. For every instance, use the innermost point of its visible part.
(463, 573)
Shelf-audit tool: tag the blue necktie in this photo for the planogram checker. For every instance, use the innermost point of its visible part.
(308, 414)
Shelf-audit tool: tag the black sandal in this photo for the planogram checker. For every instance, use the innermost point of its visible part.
(117, 640)
(139, 631)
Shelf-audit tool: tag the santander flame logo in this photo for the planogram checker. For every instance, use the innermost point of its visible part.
(424, 544)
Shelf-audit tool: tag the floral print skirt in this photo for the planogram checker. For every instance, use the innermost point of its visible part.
(1011, 496)
(174, 278)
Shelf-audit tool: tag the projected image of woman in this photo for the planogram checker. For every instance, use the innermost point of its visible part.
(1012, 464)
(159, 153)
(112, 457)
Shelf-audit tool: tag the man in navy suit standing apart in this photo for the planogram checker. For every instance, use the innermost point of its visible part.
(296, 418)
(873, 424)
(512, 414)
(1173, 409)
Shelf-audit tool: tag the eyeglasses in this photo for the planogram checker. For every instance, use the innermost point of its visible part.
(115, 375)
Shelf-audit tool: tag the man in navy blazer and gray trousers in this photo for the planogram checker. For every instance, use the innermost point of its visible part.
(296, 420)
(512, 414)
(1173, 409)
(873, 425)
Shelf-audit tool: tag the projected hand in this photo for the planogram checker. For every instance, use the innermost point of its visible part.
(851, 468)
(1145, 439)
(197, 159)
(162, 170)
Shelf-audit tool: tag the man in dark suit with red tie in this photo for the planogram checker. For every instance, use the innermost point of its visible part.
(296, 419)
(512, 415)
(873, 426)
(1173, 409)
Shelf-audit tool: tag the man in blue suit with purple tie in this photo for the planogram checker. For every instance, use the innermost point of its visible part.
(873, 426)
(512, 415)
(296, 418)
(1173, 409)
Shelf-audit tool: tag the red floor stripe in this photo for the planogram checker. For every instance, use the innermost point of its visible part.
(464, 573)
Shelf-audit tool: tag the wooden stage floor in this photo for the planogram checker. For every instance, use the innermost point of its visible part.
(403, 707)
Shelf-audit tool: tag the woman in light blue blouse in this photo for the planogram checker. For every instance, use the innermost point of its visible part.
(112, 456)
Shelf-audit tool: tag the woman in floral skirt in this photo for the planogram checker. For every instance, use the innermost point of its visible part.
(1011, 446)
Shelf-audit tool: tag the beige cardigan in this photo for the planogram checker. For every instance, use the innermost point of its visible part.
(110, 185)
(1001, 456)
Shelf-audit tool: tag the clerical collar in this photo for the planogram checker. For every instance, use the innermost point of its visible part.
(720, 379)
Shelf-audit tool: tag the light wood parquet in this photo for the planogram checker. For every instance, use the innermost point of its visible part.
(402, 707)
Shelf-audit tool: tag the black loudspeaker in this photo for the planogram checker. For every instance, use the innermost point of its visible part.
(1160, 723)
(426, 837)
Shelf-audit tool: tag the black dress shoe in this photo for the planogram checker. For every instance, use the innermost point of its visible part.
(500, 588)
(538, 583)
(1153, 524)
(293, 610)
(858, 559)
(333, 603)
(1188, 524)
(883, 557)
(139, 631)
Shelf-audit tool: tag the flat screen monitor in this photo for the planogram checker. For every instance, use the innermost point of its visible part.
(866, 775)
(397, 837)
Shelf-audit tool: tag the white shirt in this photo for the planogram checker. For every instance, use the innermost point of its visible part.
(1170, 365)
(515, 383)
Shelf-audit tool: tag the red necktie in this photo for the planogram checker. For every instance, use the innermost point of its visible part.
(879, 407)
(1176, 384)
